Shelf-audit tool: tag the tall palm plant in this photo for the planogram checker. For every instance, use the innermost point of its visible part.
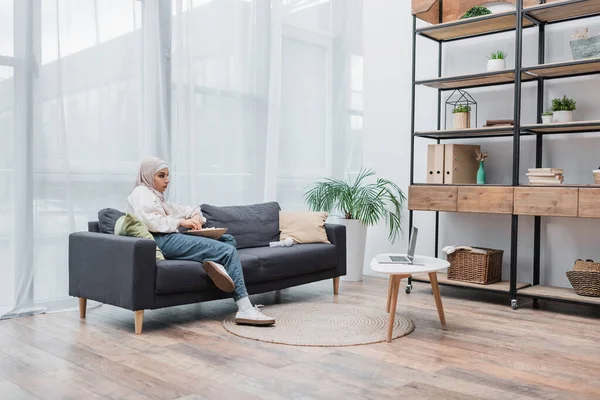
(367, 202)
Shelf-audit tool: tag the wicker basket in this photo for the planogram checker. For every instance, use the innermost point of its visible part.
(585, 278)
(585, 283)
(468, 266)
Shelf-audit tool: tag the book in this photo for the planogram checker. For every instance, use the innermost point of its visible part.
(493, 122)
(547, 170)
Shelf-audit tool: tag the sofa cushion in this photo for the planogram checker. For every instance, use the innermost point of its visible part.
(303, 227)
(252, 226)
(283, 262)
(130, 225)
(107, 218)
(176, 276)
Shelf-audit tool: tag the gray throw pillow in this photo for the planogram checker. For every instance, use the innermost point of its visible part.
(107, 218)
(252, 226)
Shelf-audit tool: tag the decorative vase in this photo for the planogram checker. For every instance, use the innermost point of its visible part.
(462, 120)
(546, 119)
(356, 240)
(563, 116)
(481, 174)
(496, 65)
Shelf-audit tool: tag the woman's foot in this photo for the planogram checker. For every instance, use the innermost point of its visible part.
(219, 276)
(253, 316)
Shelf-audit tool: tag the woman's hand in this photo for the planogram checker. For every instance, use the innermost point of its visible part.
(198, 221)
(190, 224)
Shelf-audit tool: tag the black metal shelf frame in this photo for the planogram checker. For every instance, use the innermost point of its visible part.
(517, 131)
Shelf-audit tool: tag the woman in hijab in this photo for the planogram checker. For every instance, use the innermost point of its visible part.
(219, 258)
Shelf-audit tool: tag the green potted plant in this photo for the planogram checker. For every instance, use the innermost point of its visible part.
(496, 61)
(462, 116)
(476, 11)
(547, 116)
(563, 109)
(362, 205)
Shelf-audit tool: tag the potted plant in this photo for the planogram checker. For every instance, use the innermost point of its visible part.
(476, 11)
(481, 171)
(563, 109)
(496, 61)
(547, 116)
(462, 116)
(362, 205)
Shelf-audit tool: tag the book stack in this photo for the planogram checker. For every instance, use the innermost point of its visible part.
(545, 176)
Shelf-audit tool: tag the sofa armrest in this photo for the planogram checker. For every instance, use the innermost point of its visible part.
(116, 270)
(337, 236)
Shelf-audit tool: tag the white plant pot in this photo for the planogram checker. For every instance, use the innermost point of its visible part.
(496, 65)
(356, 240)
(546, 119)
(563, 116)
(462, 120)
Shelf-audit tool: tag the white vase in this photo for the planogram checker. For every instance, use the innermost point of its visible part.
(462, 120)
(563, 116)
(496, 65)
(356, 240)
(546, 119)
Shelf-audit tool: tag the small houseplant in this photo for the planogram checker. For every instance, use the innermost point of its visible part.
(496, 61)
(476, 11)
(481, 171)
(462, 116)
(563, 109)
(362, 205)
(547, 116)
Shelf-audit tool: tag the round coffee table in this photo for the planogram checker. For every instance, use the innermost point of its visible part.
(420, 265)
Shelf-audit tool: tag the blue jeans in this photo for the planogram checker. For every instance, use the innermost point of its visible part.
(177, 246)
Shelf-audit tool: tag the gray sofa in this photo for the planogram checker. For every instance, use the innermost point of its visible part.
(122, 271)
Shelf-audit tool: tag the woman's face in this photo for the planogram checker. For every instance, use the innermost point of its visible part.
(161, 180)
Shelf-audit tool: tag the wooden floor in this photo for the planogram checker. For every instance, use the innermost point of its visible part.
(489, 351)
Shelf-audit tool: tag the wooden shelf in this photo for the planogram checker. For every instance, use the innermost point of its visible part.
(503, 286)
(564, 10)
(562, 128)
(467, 133)
(477, 26)
(557, 293)
(563, 69)
(473, 80)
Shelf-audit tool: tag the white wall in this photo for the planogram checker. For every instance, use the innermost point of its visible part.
(387, 74)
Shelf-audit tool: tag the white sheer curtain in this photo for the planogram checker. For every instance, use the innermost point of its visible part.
(249, 100)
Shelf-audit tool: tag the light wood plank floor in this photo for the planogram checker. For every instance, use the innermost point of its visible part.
(489, 351)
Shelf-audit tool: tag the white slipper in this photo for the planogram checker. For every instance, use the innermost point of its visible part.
(253, 316)
(219, 276)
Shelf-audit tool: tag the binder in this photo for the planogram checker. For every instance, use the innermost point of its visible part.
(460, 163)
(435, 163)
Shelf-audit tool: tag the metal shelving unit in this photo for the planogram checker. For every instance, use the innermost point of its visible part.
(537, 17)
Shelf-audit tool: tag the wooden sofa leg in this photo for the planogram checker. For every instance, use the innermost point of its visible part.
(139, 321)
(336, 285)
(82, 307)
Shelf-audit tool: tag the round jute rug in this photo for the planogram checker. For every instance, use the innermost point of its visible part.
(322, 325)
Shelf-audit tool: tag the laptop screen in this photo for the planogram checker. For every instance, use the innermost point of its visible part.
(412, 242)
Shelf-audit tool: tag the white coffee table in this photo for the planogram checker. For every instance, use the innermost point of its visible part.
(421, 265)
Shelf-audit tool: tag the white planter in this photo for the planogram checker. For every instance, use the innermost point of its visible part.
(462, 120)
(356, 240)
(563, 116)
(546, 119)
(496, 65)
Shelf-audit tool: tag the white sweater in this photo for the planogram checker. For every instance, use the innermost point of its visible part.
(146, 206)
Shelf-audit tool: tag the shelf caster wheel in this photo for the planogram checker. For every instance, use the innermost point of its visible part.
(536, 306)
(513, 304)
(408, 289)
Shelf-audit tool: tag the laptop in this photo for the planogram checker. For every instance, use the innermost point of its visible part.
(399, 259)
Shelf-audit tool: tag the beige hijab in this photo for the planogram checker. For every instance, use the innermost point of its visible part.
(149, 167)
